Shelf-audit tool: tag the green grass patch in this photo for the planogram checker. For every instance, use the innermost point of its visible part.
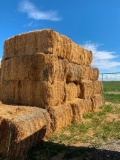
(111, 91)
(112, 97)
(111, 86)
(108, 108)
(97, 128)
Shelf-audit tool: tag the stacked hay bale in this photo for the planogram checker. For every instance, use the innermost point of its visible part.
(49, 71)
(21, 127)
(0, 81)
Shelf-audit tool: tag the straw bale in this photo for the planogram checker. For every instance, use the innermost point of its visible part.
(87, 57)
(90, 88)
(88, 73)
(62, 69)
(0, 91)
(46, 68)
(71, 91)
(61, 116)
(73, 73)
(69, 112)
(77, 73)
(0, 84)
(21, 128)
(87, 89)
(98, 87)
(79, 108)
(94, 74)
(46, 41)
(97, 100)
(35, 67)
(33, 93)
(85, 73)
(88, 106)
(0, 72)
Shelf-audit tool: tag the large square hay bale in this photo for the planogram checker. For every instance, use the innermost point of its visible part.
(79, 108)
(94, 74)
(72, 91)
(21, 128)
(61, 116)
(97, 100)
(90, 88)
(33, 93)
(46, 41)
(38, 67)
(77, 73)
(34, 67)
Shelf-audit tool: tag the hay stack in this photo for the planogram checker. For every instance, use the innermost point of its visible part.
(37, 65)
(47, 70)
(44, 68)
(22, 127)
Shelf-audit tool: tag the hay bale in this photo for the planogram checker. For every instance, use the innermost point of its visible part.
(69, 112)
(33, 93)
(62, 69)
(90, 88)
(98, 87)
(21, 128)
(34, 67)
(87, 105)
(85, 73)
(94, 74)
(74, 73)
(61, 116)
(87, 89)
(77, 73)
(71, 91)
(97, 101)
(79, 108)
(46, 68)
(46, 41)
(0, 85)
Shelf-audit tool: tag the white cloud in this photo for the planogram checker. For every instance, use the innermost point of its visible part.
(104, 60)
(31, 24)
(29, 8)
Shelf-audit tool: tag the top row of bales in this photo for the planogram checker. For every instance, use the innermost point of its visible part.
(47, 42)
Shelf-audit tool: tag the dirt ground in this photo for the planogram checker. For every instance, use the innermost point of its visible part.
(111, 92)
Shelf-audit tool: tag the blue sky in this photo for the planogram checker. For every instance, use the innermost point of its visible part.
(94, 24)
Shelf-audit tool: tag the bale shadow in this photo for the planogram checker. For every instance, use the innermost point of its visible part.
(54, 151)
(12, 150)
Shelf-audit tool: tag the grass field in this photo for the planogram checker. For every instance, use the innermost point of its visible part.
(111, 86)
(98, 128)
(111, 91)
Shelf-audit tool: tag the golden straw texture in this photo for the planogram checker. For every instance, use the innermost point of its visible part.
(21, 128)
(46, 41)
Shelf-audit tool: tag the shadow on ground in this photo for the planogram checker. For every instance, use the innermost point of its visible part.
(54, 151)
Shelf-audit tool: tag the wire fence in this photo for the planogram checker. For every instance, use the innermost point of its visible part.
(111, 86)
(109, 76)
